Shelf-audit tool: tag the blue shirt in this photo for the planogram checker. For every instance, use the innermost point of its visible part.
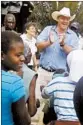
(12, 89)
(54, 57)
(62, 89)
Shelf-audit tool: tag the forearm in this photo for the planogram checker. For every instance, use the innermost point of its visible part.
(67, 48)
(32, 100)
(43, 45)
(32, 106)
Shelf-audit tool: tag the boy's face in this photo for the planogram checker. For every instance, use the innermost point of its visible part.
(14, 58)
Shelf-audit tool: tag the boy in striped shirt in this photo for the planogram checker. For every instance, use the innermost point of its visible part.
(62, 88)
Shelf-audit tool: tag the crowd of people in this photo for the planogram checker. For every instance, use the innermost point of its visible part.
(48, 92)
(20, 9)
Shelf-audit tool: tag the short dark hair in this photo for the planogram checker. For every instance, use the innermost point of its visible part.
(29, 24)
(7, 38)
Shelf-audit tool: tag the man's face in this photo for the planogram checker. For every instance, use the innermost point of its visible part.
(10, 23)
(63, 22)
(14, 58)
(31, 31)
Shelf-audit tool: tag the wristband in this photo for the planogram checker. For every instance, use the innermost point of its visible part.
(62, 44)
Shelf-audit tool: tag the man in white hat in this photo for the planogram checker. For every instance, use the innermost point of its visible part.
(55, 42)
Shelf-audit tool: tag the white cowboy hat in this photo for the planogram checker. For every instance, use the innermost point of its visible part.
(75, 64)
(63, 12)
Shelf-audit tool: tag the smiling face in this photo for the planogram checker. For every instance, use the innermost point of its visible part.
(14, 58)
(31, 31)
(63, 22)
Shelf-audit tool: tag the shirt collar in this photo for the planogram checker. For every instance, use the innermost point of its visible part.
(54, 28)
(26, 38)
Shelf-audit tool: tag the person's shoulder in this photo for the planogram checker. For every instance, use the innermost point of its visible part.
(27, 70)
(61, 79)
(81, 81)
(50, 26)
(56, 80)
(23, 35)
(10, 77)
(71, 32)
(34, 39)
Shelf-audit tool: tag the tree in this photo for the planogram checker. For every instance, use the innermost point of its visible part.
(79, 17)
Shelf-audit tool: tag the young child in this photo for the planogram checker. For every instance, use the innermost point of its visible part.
(14, 110)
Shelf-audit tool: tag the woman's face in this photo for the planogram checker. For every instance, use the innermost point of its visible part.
(14, 58)
(31, 31)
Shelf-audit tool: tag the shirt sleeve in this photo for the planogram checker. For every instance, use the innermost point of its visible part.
(74, 42)
(49, 89)
(17, 90)
(44, 35)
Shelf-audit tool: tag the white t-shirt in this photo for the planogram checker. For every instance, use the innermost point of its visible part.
(31, 44)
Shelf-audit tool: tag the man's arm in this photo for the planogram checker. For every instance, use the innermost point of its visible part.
(32, 101)
(45, 39)
(73, 44)
(20, 112)
(43, 45)
(67, 48)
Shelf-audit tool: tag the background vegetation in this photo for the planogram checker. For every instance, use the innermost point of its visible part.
(43, 9)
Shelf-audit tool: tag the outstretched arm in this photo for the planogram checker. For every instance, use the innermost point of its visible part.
(32, 100)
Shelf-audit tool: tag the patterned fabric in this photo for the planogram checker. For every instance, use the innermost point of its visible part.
(62, 88)
(12, 89)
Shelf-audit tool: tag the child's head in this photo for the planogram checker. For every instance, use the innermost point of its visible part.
(12, 50)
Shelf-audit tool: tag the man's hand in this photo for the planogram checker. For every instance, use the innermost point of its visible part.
(51, 37)
(61, 39)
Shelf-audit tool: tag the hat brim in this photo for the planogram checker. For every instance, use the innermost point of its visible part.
(56, 14)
